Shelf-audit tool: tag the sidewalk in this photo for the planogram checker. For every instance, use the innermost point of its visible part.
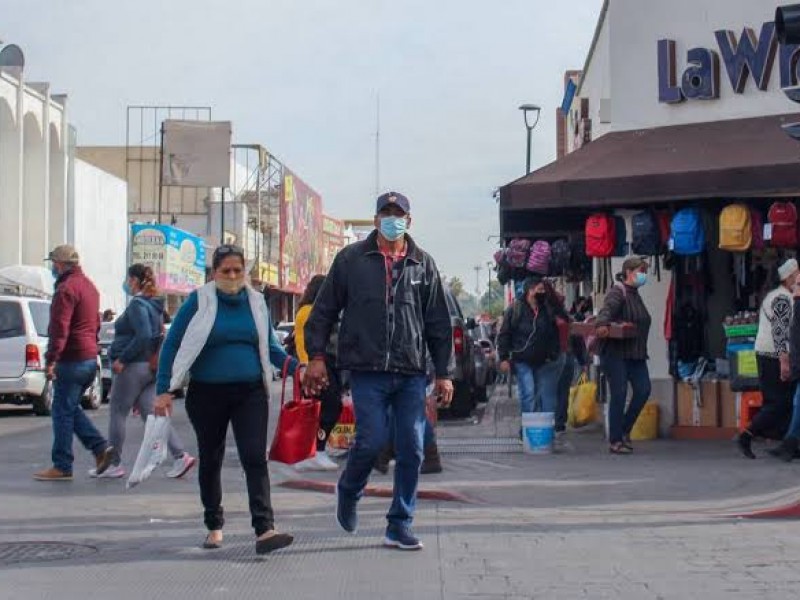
(579, 525)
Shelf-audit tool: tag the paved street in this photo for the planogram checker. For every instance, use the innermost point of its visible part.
(581, 525)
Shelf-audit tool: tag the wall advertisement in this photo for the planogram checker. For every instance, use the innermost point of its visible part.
(302, 239)
(178, 258)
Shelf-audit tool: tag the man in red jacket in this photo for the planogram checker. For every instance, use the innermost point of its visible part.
(71, 361)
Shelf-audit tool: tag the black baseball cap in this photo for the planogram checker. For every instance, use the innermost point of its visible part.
(393, 198)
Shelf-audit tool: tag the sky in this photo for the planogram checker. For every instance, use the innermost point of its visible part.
(301, 77)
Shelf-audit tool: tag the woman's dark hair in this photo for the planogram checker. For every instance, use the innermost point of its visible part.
(224, 252)
(312, 290)
(147, 280)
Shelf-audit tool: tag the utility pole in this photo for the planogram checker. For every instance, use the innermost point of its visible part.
(378, 145)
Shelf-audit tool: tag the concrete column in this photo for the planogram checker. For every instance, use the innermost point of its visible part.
(35, 183)
(58, 177)
(10, 156)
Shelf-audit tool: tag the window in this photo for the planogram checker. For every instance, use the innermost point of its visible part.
(40, 311)
(11, 321)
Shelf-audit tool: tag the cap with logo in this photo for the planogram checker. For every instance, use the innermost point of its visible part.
(64, 254)
(393, 198)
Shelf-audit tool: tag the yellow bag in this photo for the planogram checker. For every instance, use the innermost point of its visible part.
(735, 228)
(582, 403)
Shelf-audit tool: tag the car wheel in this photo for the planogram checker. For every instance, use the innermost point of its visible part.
(42, 405)
(463, 402)
(93, 397)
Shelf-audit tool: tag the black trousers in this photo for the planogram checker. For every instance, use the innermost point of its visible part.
(772, 420)
(244, 405)
(331, 405)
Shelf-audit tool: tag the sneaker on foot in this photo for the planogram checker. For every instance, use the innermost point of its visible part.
(346, 514)
(181, 466)
(561, 443)
(319, 462)
(52, 474)
(401, 538)
(105, 459)
(112, 472)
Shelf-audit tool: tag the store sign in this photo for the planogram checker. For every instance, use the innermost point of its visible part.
(749, 56)
(178, 258)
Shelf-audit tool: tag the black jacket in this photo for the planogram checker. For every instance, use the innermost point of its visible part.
(528, 338)
(374, 335)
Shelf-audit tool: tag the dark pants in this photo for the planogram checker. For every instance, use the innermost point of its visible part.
(564, 383)
(330, 405)
(620, 372)
(776, 411)
(373, 395)
(72, 381)
(210, 408)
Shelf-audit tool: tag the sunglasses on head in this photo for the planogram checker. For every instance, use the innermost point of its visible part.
(229, 250)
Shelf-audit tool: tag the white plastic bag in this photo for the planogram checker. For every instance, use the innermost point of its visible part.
(153, 450)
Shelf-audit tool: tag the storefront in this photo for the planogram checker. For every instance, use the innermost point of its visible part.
(177, 258)
(682, 108)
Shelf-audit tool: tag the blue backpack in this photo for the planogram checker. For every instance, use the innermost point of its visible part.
(688, 236)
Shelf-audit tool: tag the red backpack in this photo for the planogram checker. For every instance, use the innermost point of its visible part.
(757, 223)
(601, 236)
(783, 218)
(665, 228)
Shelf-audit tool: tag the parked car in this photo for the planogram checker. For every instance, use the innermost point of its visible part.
(105, 339)
(283, 330)
(471, 369)
(488, 342)
(24, 321)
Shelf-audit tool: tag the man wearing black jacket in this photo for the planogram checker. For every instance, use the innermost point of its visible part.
(392, 306)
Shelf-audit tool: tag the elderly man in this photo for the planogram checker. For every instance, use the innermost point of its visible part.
(772, 354)
(392, 305)
(71, 363)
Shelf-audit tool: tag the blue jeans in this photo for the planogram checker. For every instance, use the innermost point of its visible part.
(374, 394)
(71, 382)
(428, 436)
(620, 372)
(794, 426)
(541, 382)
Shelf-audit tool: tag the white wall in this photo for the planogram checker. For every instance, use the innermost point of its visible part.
(637, 27)
(101, 231)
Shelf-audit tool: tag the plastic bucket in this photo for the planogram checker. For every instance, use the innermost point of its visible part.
(537, 432)
(646, 426)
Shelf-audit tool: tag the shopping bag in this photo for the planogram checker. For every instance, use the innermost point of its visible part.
(344, 432)
(431, 405)
(153, 450)
(582, 403)
(296, 436)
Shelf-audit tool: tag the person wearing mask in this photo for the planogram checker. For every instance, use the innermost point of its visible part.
(774, 367)
(624, 360)
(388, 294)
(529, 341)
(789, 447)
(137, 336)
(71, 364)
(331, 396)
(223, 338)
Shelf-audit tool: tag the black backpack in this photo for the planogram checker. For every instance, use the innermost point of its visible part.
(560, 258)
(621, 228)
(689, 333)
(580, 265)
(646, 234)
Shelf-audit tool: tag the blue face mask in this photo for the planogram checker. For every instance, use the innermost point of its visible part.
(393, 228)
(641, 279)
(127, 289)
(55, 272)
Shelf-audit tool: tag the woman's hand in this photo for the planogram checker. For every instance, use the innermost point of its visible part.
(163, 405)
(505, 366)
(117, 367)
(603, 332)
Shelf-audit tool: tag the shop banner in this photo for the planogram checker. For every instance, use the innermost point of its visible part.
(302, 244)
(334, 240)
(177, 258)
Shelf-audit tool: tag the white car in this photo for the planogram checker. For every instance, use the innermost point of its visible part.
(24, 321)
(283, 330)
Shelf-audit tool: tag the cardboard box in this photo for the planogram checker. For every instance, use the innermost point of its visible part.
(698, 412)
(728, 405)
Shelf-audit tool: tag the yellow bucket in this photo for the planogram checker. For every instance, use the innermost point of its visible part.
(646, 427)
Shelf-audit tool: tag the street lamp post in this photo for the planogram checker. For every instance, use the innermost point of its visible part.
(531, 112)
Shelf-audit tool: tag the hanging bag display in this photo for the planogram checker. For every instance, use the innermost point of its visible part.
(688, 238)
(601, 238)
(757, 227)
(646, 234)
(539, 259)
(621, 246)
(735, 228)
(783, 219)
(296, 436)
(560, 258)
(517, 253)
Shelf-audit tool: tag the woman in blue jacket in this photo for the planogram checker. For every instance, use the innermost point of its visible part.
(223, 339)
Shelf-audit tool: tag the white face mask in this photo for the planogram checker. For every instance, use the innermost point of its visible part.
(230, 286)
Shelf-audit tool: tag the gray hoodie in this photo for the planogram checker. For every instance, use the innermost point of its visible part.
(137, 330)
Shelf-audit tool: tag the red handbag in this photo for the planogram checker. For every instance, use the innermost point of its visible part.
(296, 436)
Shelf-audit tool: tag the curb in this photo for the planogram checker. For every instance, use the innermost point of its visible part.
(324, 487)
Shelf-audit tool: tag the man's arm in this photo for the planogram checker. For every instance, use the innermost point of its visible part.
(438, 328)
(61, 312)
(328, 305)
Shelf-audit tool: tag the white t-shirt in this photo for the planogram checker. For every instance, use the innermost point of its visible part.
(775, 322)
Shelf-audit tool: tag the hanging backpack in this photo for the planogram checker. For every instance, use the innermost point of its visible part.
(783, 218)
(757, 225)
(539, 259)
(664, 219)
(646, 234)
(601, 238)
(688, 238)
(621, 234)
(735, 228)
(580, 265)
(517, 253)
(560, 258)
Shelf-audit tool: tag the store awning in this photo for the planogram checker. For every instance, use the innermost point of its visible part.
(722, 159)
